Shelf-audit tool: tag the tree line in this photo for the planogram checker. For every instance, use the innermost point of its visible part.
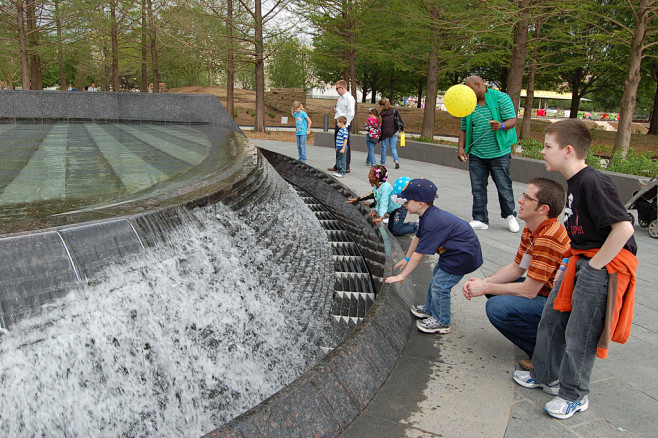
(605, 50)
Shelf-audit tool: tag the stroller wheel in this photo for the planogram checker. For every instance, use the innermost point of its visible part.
(642, 223)
(653, 229)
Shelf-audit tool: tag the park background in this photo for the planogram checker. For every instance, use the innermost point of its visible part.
(603, 52)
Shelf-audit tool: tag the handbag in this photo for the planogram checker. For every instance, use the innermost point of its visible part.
(397, 120)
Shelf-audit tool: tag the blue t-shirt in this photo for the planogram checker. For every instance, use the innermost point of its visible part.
(301, 123)
(343, 133)
(383, 198)
(452, 238)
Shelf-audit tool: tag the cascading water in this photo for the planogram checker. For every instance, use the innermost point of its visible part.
(180, 338)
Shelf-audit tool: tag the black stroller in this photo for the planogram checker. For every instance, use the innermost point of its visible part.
(644, 201)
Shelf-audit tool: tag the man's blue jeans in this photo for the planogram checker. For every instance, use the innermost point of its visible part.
(396, 224)
(438, 295)
(371, 160)
(567, 341)
(389, 142)
(479, 170)
(517, 318)
(301, 147)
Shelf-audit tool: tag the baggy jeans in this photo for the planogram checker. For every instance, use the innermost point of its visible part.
(438, 295)
(566, 341)
(479, 170)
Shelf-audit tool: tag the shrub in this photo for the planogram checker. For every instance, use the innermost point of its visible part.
(530, 148)
(271, 114)
(235, 113)
(635, 163)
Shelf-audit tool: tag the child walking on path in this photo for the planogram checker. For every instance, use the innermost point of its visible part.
(381, 192)
(593, 301)
(442, 233)
(373, 132)
(303, 125)
(341, 147)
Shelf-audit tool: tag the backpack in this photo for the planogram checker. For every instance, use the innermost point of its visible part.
(399, 125)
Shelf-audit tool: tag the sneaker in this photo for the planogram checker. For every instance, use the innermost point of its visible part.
(478, 225)
(385, 220)
(431, 325)
(523, 378)
(419, 312)
(563, 409)
(338, 175)
(512, 224)
(397, 165)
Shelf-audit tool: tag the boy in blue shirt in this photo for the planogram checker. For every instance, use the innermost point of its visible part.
(442, 233)
(341, 147)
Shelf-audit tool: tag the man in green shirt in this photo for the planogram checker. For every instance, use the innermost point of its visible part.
(487, 135)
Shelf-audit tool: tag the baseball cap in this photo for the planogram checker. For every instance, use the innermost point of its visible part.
(420, 189)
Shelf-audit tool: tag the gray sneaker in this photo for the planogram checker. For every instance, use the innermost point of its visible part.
(431, 325)
(523, 378)
(563, 409)
(419, 312)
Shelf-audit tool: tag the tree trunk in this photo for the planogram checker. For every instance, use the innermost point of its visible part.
(230, 68)
(627, 105)
(36, 78)
(60, 49)
(517, 62)
(352, 31)
(391, 86)
(114, 37)
(145, 75)
(259, 68)
(22, 44)
(427, 130)
(530, 93)
(154, 49)
(653, 127)
(420, 93)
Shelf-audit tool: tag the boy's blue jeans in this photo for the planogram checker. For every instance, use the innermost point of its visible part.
(301, 147)
(371, 160)
(438, 295)
(341, 162)
(396, 224)
(479, 170)
(389, 142)
(566, 341)
(517, 318)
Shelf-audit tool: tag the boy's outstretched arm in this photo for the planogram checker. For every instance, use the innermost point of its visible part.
(407, 267)
(621, 232)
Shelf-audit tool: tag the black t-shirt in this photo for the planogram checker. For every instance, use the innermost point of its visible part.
(593, 206)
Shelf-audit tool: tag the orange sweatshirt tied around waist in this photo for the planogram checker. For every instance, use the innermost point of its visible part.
(621, 295)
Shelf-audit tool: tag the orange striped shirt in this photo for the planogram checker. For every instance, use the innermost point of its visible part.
(546, 246)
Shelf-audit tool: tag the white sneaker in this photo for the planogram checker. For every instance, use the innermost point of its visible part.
(563, 409)
(385, 220)
(523, 378)
(338, 175)
(512, 224)
(478, 225)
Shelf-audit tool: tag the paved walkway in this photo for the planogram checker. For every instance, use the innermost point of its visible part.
(460, 385)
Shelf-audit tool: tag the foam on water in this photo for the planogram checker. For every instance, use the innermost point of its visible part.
(179, 339)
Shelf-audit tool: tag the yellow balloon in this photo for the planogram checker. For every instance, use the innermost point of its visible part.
(460, 100)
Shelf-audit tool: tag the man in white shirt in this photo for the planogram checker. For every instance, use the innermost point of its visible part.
(345, 106)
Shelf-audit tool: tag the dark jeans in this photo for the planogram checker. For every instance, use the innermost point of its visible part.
(396, 224)
(348, 153)
(517, 318)
(479, 170)
(567, 341)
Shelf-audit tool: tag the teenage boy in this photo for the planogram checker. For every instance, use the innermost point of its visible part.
(578, 322)
(515, 302)
(341, 146)
(442, 233)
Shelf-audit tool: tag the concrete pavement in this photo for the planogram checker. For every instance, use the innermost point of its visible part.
(460, 385)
